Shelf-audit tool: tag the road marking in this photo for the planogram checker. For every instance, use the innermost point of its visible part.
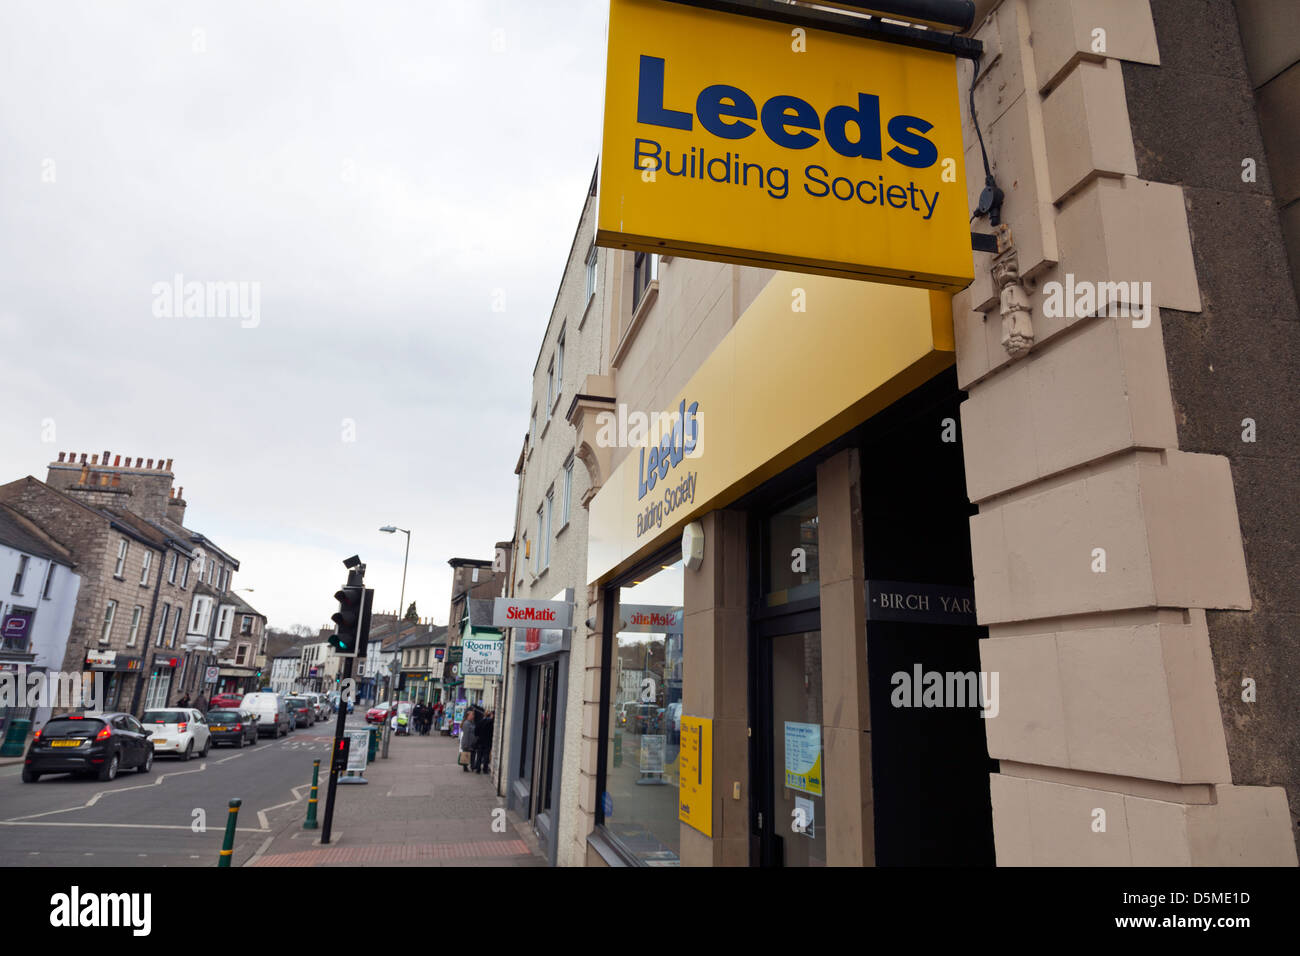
(233, 756)
(261, 814)
(117, 826)
(156, 782)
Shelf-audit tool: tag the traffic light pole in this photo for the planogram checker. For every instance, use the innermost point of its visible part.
(350, 628)
(334, 756)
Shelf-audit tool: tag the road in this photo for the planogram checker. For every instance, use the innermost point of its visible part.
(175, 815)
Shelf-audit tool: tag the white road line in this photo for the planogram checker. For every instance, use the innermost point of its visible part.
(156, 782)
(260, 850)
(116, 826)
(261, 814)
(233, 756)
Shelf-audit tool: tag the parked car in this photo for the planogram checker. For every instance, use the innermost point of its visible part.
(236, 727)
(225, 701)
(272, 715)
(379, 713)
(178, 730)
(321, 705)
(300, 710)
(97, 744)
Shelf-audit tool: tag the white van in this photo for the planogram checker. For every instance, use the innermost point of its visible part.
(272, 718)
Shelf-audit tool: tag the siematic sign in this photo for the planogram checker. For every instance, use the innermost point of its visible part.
(512, 612)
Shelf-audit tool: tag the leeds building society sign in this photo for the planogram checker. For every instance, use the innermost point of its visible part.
(734, 138)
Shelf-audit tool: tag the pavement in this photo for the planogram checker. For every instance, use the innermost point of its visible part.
(418, 808)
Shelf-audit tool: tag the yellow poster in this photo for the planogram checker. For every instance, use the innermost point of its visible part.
(695, 788)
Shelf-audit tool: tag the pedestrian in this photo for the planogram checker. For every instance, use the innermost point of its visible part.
(468, 740)
(483, 732)
(201, 705)
(184, 701)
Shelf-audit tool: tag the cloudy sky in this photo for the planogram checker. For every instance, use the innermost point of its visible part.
(381, 170)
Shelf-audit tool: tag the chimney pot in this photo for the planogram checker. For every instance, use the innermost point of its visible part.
(150, 464)
(104, 459)
(117, 460)
(139, 462)
(83, 457)
(169, 464)
(94, 459)
(61, 456)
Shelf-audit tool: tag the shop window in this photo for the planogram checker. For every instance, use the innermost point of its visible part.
(643, 704)
(790, 566)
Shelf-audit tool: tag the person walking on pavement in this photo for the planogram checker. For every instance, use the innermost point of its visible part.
(483, 731)
(467, 739)
(184, 701)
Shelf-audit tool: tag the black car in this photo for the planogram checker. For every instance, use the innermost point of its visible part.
(94, 744)
(235, 727)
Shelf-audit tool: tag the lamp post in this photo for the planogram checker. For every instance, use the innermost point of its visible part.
(401, 611)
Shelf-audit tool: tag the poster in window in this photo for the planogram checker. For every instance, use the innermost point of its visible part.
(803, 757)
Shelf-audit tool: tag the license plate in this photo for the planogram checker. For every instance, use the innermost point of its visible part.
(218, 727)
(160, 740)
(65, 743)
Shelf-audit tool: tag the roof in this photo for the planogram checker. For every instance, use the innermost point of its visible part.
(20, 532)
(424, 637)
(241, 606)
(470, 562)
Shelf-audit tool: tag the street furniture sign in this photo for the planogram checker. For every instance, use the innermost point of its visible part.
(695, 785)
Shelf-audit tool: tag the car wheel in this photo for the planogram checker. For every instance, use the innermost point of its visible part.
(109, 772)
(240, 745)
(30, 776)
(207, 745)
(148, 763)
(189, 750)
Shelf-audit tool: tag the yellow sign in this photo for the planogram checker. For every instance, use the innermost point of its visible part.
(728, 137)
(695, 788)
(780, 385)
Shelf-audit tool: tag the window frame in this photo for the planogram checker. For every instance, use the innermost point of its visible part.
(23, 561)
(591, 264)
(123, 548)
(171, 567)
(49, 581)
(568, 490)
(133, 632)
(161, 637)
(106, 629)
(145, 564)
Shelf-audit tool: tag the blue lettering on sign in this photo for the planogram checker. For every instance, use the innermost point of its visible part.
(723, 109)
(670, 451)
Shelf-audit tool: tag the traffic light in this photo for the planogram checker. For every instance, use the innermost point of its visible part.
(347, 619)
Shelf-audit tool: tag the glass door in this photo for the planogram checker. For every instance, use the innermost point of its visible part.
(544, 745)
(798, 767)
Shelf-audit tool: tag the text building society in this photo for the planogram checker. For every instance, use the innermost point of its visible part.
(792, 123)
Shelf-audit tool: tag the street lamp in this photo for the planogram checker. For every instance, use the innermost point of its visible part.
(401, 606)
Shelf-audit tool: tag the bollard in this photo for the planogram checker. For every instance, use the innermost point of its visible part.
(228, 846)
(373, 750)
(310, 822)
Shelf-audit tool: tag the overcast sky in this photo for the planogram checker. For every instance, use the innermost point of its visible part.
(379, 169)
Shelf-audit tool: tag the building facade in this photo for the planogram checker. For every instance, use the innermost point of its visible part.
(992, 578)
(36, 609)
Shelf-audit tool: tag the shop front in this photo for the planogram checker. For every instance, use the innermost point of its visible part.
(770, 577)
(539, 660)
(119, 671)
(162, 673)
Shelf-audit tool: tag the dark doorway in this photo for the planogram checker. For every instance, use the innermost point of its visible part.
(930, 764)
